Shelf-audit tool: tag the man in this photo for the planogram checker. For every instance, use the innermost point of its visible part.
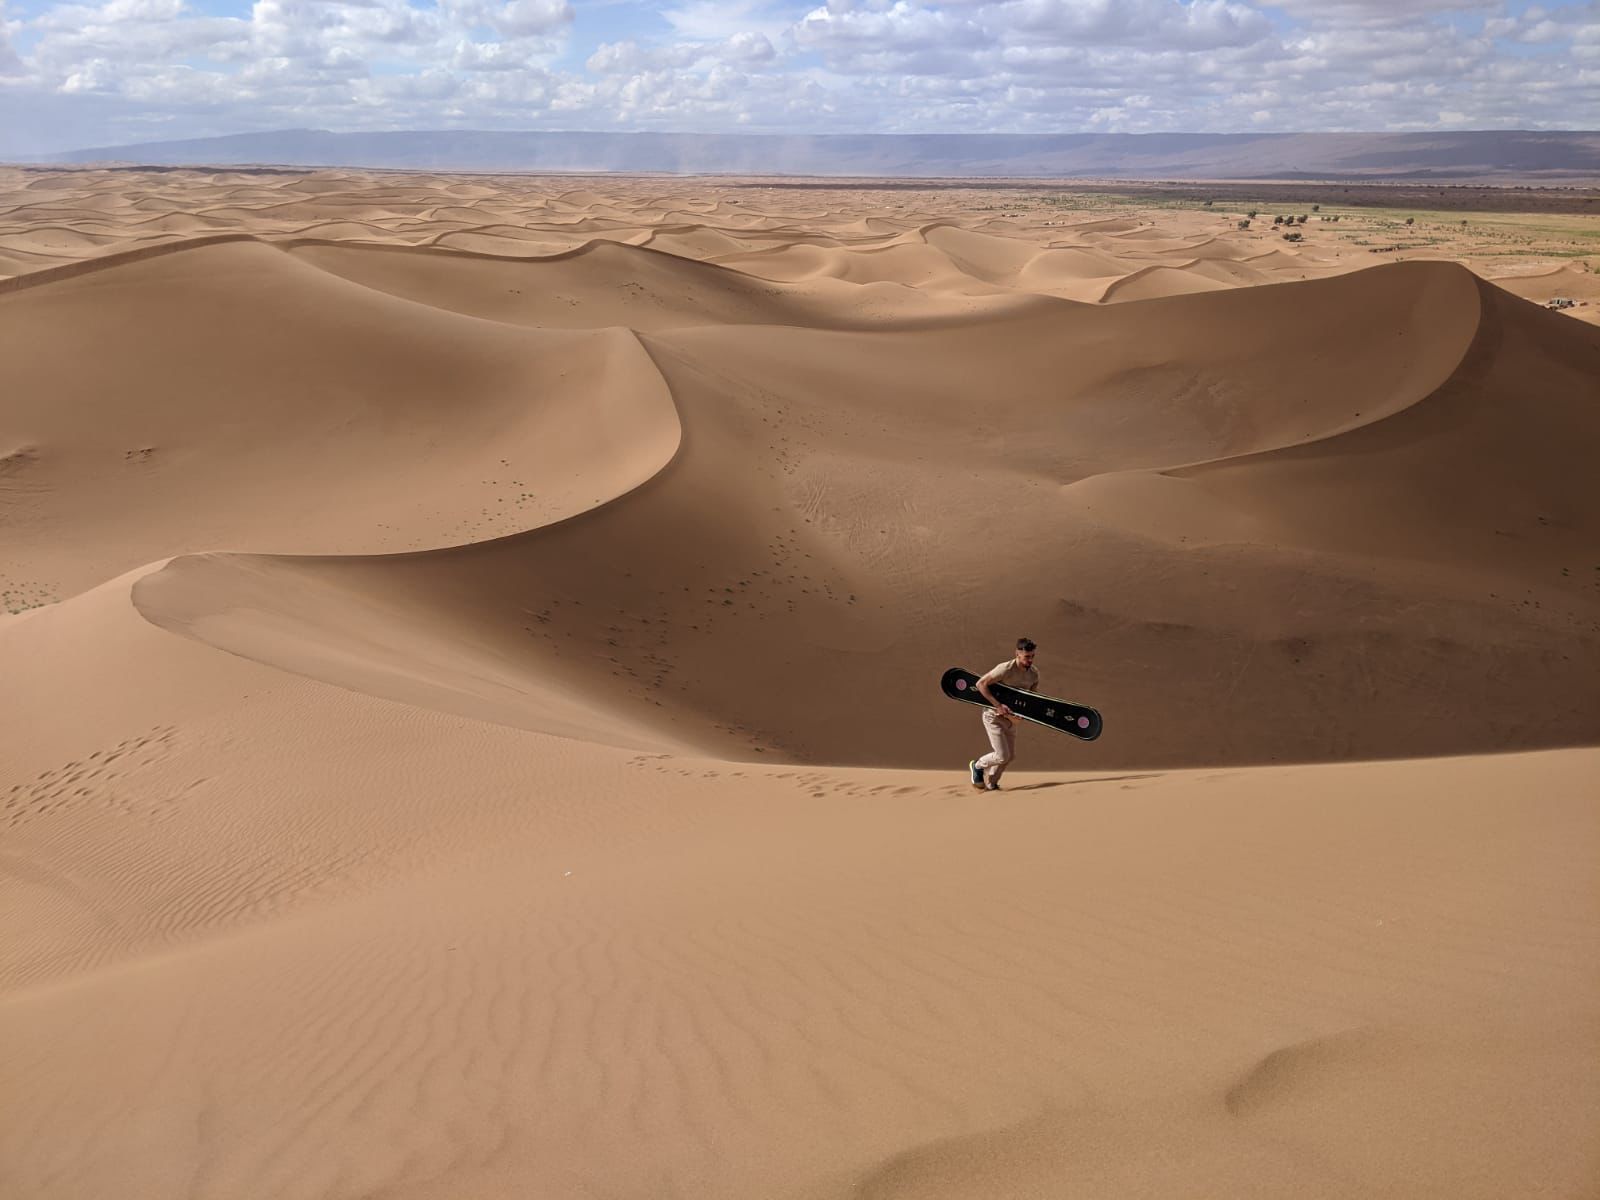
(998, 722)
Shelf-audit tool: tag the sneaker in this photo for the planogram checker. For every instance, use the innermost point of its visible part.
(977, 773)
(991, 786)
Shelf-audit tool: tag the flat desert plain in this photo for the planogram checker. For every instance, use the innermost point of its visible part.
(470, 724)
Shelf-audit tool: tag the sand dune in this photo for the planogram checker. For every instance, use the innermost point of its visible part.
(469, 724)
(822, 501)
(318, 415)
(99, 212)
(603, 283)
(792, 243)
(1149, 283)
(1570, 281)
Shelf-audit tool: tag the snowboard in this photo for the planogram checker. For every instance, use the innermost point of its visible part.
(1082, 723)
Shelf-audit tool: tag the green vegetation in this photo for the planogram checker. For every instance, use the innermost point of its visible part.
(1475, 234)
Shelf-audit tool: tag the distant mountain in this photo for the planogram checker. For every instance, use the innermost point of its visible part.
(1479, 155)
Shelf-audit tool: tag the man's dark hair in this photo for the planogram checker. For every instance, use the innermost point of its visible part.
(1026, 644)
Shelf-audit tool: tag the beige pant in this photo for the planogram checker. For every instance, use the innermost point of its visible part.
(1003, 737)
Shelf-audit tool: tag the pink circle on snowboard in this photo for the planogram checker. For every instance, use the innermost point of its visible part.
(1083, 722)
(961, 685)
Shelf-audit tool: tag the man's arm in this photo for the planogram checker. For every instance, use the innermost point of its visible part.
(983, 690)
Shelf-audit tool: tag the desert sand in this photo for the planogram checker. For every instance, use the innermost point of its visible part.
(470, 723)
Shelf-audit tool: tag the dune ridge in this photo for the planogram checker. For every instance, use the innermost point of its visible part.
(824, 588)
(908, 247)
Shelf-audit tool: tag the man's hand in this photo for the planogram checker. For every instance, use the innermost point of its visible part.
(1003, 711)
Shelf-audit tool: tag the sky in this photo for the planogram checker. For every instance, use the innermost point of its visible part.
(75, 75)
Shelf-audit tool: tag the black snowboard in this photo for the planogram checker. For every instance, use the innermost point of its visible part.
(1075, 719)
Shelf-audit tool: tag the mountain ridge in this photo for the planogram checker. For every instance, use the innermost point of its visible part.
(1470, 155)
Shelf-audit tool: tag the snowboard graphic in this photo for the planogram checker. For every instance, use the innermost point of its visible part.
(1080, 722)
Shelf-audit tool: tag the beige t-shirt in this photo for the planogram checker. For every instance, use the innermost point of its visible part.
(1012, 675)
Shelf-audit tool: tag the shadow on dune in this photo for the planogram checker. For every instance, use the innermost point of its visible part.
(229, 394)
(1058, 783)
(1337, 519)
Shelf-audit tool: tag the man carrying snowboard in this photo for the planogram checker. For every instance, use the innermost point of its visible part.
(998, 722)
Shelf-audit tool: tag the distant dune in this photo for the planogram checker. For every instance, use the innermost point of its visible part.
(1473, 155)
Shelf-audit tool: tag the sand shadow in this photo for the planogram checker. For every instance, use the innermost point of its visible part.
(1037, 787)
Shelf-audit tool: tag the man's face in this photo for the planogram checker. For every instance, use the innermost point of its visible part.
(1025, 657)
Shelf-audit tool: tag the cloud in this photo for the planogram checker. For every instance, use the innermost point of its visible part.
(488, 56)
(124, 67)
(515, 18)
(1160, 23)
(719, 20)
(748, 47)
(10, 61)
(627, 58)
(96, 75)
(901, 27)
(1575, 26)
(902, 39)
(1384, 14)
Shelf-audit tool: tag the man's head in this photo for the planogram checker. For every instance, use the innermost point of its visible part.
(1025, 649)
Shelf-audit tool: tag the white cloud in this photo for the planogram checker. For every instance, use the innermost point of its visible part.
(125, 67)
(901, 27)
(1165, 23)
(519, 18)
(749, 47)
(902, 39)
(1576, 26)
(627, 58)
(96, 75)
(718, 20)
(10, 61)
(1373, 14)
(489, 56)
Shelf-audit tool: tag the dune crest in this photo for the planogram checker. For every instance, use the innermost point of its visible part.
(317, 414)
(818, 518)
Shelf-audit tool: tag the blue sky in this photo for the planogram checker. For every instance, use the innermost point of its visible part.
(111, 72)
